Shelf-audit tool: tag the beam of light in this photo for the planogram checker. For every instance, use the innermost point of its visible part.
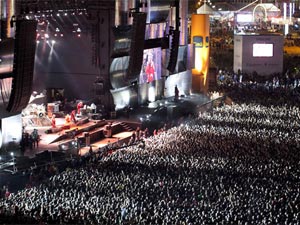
(151, 94)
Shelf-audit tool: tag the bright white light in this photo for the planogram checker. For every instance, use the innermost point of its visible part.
(37, 41)
(66, 14)
(58, 14)
(262, 50)
(198, 59)
(53, 41)
(0, 158)
(244, 18)
(220, 9)
(47, 42)
(151, 94)
(12, 154)
(46, 35)
(57, 29)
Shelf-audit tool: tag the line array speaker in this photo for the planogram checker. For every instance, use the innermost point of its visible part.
(137, 45)
(174, 51)
(24, 53)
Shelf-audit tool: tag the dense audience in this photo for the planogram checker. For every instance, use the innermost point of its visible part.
(238, 164)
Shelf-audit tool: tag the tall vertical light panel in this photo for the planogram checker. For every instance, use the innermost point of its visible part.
(200, 39)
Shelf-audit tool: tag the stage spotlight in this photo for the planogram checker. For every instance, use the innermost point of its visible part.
(53, 41)
(0, 158)
(12, 154)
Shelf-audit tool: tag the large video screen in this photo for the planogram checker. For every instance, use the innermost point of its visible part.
(151, 67)
(244, 18)
(262, 50)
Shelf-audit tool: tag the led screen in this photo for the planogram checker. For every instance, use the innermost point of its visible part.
(244, 18)
(151, 67)
(262, 50)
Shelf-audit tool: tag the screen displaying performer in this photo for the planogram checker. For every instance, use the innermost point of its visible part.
(151, 68)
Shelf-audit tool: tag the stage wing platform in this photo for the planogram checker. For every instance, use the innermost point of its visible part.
(79, 138)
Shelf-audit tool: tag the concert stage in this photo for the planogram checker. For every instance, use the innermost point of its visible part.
(68, 140)
(77, 138)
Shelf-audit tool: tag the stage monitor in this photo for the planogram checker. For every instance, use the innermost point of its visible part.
(262, 50)
(151, 67)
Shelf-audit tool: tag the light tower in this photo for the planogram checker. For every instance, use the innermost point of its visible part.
(200, 38)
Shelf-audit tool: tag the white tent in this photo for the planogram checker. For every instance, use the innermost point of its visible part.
(205, 9)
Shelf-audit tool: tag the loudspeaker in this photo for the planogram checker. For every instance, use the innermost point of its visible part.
(174, 51)
(24, 53)
(3, 29)
(137, 45)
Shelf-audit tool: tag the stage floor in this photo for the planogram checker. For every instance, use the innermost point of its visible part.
(48, 140)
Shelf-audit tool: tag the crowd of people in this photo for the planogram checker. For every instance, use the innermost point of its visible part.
(290, 79)
(236, 164)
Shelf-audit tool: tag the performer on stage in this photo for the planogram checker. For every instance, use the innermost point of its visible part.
(67, 118)
(176, 93)
(53, 121)
(79, 106)
(35, 138)
(73, 116)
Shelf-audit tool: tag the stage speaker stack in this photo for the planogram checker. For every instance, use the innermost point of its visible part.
(24, 53)
(3, 29)
(174, 51)
(137, 45)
